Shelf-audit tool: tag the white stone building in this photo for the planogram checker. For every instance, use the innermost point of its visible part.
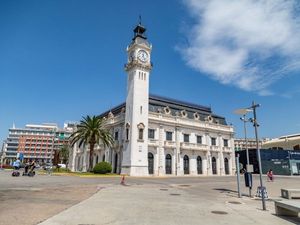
(160, 136)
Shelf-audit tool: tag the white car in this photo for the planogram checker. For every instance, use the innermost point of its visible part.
(62, 165)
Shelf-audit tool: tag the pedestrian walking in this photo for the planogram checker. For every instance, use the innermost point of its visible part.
(270, 175)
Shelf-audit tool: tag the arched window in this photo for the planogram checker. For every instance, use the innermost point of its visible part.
(150, 163)
(199, 165)
(103, 158)
(141, 128)
(226, 165)
(97, 159)
(168, 164)
(214, 165)
(186, 164)
(141, 133)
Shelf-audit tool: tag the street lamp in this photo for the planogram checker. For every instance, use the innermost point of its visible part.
(255, 124)
(245, 120)
(244, 112)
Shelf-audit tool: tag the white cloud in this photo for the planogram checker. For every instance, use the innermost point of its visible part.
(249, 44)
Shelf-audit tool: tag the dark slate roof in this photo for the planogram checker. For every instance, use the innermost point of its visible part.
(158, 103)
(115, 110)
(156, 98)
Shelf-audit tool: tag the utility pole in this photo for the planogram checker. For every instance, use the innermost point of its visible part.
(262, 188)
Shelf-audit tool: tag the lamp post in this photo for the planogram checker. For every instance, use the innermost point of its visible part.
(245, 120)
(255, 124)
(244, 111)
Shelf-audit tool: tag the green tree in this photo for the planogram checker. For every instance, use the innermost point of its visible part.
(64, 154)
(91, 131)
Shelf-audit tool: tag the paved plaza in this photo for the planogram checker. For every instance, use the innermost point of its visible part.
(64, 200)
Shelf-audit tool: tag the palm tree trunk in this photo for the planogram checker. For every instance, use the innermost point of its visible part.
(91, 157)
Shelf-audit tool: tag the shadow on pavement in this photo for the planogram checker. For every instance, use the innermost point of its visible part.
(294, 220)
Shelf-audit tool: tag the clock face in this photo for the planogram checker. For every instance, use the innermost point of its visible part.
(142, 55)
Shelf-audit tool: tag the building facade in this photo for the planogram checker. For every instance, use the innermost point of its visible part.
(291, 142)
(160, 136)
(240, 143)
(38, 142)
(281, 161)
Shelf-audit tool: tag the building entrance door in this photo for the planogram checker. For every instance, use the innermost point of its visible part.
(226, 164)
(199, 165)
(186, 165)
(168, 164)
(150, 163)
(214, 165)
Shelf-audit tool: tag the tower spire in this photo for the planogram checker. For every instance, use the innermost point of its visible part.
(139, 30)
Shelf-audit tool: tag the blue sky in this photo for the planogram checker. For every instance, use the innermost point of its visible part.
(61, 60)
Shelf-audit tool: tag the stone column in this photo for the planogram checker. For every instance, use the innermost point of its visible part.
(156, 162)
(222, 166)
(204, 163)
(232, 163)
(177, 151)
(193, 164)
(160, 151)
(209, 166)
(174, 162)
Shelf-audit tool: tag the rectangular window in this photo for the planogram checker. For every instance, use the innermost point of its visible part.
(169, 136)
(151, 133)
(116, 135)
(186, 137)
(141, 134)
(199, 139)
(225, 143)
(213, 141)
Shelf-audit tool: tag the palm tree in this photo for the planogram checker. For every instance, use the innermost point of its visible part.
(91, 131)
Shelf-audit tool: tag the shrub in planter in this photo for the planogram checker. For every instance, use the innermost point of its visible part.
(102, 168)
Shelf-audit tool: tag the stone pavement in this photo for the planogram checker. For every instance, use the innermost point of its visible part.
(172, 204)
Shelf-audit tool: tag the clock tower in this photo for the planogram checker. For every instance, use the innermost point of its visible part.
(138, 67)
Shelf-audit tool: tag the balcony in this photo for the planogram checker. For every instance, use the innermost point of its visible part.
(214, 148)
(153, 142)
(117, 144)
(170, 144)
(226, 149)
(193, 146)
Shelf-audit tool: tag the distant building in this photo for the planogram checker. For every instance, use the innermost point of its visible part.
(36, 142)
(240, 143)
(282, 162)
(291, 142)
(160, 136)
